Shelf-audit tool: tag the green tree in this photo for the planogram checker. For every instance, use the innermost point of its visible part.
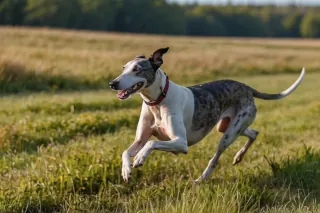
(203, 20)
(205, 26)
(291, 24)
(147, 16)
(12, 12)
(57, 13)
(163, 17)
(310, 25)
(98, 14)
(243, 23)
(272, 21)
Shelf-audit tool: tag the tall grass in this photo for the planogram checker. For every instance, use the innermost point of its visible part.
(63, 59)
(15, 77)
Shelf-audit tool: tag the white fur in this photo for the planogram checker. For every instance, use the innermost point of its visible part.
(174, 114)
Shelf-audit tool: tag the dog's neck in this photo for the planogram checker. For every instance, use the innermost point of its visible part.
(152, 92)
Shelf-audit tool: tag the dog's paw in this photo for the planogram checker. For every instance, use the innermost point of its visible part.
(236, 160)
(143, 154)
(126, 166)
(139, 160)
(198, 180)
(126, 172)
(238, 157)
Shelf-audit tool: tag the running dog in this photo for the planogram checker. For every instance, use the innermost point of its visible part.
(181, 116)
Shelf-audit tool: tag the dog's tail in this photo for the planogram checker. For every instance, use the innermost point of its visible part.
(282, 94)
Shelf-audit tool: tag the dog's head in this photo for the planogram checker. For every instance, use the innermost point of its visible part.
(138, 74)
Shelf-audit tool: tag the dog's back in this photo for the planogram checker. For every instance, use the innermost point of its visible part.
(225, 92)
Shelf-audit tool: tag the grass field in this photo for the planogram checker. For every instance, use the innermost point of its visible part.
(62, 131)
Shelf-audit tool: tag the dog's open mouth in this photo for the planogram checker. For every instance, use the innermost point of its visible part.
(124, 94)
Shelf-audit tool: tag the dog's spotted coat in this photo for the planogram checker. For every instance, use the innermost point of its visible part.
(187, 114)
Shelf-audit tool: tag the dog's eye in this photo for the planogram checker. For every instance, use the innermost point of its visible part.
(135, 69)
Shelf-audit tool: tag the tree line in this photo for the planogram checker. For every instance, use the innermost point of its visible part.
(163, 17)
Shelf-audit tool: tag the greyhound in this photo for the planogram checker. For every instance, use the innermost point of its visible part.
(181, 116)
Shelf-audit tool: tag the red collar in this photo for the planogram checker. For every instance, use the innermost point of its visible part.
(161, 96)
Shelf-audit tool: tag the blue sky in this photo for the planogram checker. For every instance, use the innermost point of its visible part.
(304, 2)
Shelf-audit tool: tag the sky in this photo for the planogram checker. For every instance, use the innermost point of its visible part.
(302, 2)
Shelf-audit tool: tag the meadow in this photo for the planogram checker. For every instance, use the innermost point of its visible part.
(62, 130)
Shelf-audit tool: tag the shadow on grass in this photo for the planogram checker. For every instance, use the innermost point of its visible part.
(79, 107)
(16, 78)
(300, 172)
(28, 136)
(294, 180)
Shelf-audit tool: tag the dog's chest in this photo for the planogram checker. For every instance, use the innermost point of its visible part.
(157, 115)
(159, 127)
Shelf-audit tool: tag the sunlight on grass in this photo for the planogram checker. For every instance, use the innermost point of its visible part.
(62, 131)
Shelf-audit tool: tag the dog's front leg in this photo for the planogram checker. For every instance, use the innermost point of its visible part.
(178, 145)
(176, 131)
(143, 133)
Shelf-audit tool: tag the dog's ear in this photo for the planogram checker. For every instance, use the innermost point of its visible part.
(140, 56)
(156, 58)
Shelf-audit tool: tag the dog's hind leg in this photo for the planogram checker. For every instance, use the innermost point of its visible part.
(252, 135)
(244, 117)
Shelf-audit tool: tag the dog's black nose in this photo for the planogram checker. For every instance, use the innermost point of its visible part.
(114, 85)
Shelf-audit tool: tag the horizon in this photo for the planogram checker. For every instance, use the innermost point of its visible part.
(252, 2)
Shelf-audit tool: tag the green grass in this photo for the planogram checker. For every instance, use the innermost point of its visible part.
(60, 146)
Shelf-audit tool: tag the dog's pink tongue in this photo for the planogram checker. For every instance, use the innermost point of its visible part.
(121, 93)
